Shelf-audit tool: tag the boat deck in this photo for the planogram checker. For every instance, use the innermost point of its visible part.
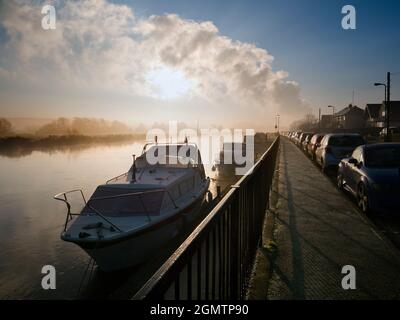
(154, 176)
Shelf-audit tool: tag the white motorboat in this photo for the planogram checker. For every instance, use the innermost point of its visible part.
(130, 217)
(226, 162)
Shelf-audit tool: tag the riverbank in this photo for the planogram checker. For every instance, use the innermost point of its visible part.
(24, 145)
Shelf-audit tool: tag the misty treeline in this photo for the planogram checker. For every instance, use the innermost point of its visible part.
(5, 127)
(74, 126)
(83, 126)
(308, 123)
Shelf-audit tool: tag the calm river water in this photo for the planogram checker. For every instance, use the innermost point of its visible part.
(31, 222)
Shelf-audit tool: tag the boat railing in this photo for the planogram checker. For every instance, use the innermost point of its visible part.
(125, 174)
(215, 260)
(63, 196)
(162, 144)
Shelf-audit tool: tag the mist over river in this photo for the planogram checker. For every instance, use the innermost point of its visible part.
(31, 222)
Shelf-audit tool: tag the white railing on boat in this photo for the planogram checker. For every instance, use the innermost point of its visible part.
(63, 196)
(117, 177)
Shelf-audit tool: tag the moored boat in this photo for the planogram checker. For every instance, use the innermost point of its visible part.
(131, 216)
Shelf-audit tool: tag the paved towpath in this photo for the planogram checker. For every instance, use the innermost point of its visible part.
(317, 231)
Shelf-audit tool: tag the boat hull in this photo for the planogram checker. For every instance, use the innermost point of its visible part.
(135, 249)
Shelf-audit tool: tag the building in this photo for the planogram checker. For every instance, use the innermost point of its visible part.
(372, 115)
(394, 113)
(326, 121)
(351, 117)
(375, 114)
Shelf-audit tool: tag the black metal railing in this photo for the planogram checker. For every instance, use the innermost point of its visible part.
(215, 261)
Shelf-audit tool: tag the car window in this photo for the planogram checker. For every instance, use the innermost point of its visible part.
(346, 141)
(383, 157)
(324, 139)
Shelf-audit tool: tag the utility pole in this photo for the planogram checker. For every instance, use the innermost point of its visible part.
(333, 116)
(319, 119)
(387, 103)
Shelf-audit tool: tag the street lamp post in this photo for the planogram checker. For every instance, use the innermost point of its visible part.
(277, 123)
(381, 84)
(387, 106)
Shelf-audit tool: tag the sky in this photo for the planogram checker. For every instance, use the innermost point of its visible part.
(226, 63)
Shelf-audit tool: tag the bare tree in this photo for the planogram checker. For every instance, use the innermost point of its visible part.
(308, 123)
(5, 127)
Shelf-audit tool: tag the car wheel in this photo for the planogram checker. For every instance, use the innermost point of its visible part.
(362, 198)
(339, 181)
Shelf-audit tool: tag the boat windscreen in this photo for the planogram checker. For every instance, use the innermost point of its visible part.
(120, 202)
(184, 154)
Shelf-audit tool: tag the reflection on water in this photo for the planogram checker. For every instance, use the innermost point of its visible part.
(31, 221)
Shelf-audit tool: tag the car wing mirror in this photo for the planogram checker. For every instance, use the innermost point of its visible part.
(317, 145)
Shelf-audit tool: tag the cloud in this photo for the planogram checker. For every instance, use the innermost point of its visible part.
(102, 45)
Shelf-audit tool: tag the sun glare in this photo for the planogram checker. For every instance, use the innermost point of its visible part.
(169, 83)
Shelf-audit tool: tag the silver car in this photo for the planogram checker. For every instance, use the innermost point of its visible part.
(335, 147)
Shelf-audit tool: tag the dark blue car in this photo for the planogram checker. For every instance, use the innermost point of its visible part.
(372, 176)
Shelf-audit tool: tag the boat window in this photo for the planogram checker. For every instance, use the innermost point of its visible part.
(182, 188)
(122, 202)
(183, 154)
(192, 184)
(174, 191)
(187, 185)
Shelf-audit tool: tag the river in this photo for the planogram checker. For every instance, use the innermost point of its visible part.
(31, 222)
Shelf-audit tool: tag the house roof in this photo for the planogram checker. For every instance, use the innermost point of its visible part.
(350, 110)
(372, 110)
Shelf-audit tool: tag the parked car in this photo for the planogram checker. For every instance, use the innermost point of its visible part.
(312, 145)
(296, 136)
(301, 138)
(297, 139)
(306, 141)
(334, 147)
(394, 133)
(372, 176)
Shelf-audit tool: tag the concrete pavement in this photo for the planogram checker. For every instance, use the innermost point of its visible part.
(315, 232)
